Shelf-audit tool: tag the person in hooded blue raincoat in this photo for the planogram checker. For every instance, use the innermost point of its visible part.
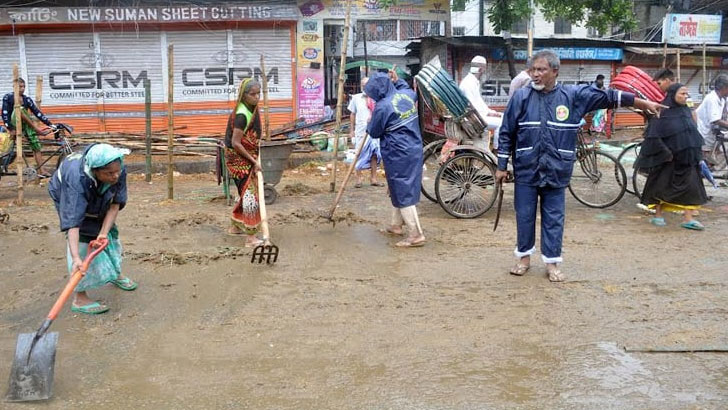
(396, 124)
(88, 191)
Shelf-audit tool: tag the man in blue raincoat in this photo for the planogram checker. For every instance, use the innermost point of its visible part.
(539, 131)
(395, 122)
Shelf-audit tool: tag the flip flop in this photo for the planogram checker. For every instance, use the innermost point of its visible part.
(376, 184)
(357, 185)
(408, 244)
(386, 231)
(254, 244)
(658, 221)
(519, 269)
(555, 275)
(125, 284)
(693, 225)
(93, 308)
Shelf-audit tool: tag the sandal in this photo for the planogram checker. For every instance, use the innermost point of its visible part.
(357, 185)
(519, 269)
(93, 308)
(125, 284)
(555, 275)
(693, 225)
(388, 231)
(407, 243)
(254, 244)
(658, 221)
(376, 184)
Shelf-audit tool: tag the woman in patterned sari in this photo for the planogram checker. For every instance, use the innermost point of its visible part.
(241, 158)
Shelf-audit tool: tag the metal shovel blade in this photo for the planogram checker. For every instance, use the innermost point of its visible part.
(31, 378)
(267, 253)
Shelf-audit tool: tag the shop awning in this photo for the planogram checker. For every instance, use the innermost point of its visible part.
(654, 51)
(376, 64)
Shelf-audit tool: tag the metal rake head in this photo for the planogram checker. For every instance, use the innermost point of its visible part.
(267, 253)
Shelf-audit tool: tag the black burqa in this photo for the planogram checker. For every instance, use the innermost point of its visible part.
(671, 152)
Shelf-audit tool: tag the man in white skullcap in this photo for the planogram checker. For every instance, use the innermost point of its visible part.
(471, 87)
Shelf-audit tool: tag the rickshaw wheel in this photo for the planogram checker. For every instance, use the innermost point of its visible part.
(270, 194)
(430, 166)
(465, 185)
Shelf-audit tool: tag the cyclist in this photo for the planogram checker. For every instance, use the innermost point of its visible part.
(30, 127)
(710, 117)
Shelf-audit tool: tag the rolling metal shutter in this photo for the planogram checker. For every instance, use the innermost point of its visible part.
(9, 56)
(275, 46)
(130, 57)
(200, 66)
(57, 57)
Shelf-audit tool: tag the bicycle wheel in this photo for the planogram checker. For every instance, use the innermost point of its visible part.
(465, 185)
(430, 166)
(598, 180)
(627, 159)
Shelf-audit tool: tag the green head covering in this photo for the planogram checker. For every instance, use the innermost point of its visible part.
(100, 155)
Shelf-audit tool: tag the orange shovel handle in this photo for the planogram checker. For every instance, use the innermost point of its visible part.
(96, 246)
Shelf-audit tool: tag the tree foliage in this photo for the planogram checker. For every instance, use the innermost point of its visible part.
(598, 14)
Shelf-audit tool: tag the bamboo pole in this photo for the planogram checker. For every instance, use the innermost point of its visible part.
(264, 86)
(664, 56)
(340, 93)
(18, 134)
(38, 91)
(678, 65)
(530, 28)
(705, 72)
(170, 122)
(148, 119)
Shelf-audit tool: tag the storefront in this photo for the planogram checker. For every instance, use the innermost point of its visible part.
(93, 62)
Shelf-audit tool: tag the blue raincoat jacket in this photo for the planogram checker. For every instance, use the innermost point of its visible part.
(539, 130)
(396, 123)
(78, 198)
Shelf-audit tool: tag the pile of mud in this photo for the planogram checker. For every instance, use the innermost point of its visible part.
(299, 189)
(195, 219)
(312, 218)
(172, 258)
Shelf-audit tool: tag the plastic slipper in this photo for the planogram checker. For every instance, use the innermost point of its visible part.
(658, 221)
(555, 275)
(125, 284)
(409, 244)
(93, 308)
(519, 269)
(254, 244)
(694, 225)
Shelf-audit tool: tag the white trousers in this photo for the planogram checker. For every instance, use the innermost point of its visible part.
(407, 216)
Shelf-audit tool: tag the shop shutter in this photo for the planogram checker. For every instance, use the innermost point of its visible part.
(60, 55)
(275, 46)
(128, 56)
(195, 54)
(9, 56)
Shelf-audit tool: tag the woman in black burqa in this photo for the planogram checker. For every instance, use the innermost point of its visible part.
(671, 154)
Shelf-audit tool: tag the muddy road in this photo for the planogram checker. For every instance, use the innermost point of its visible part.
(346, 321)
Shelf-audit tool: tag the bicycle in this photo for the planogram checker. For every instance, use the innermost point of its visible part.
(627, 159)
(598, 179)
(61, 142)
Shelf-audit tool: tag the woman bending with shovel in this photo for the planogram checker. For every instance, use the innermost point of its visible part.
(88, 191)
(241, 158)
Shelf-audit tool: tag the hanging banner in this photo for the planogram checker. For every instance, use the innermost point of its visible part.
(435, 10)
(691, 29)
(310, 69)
(250, 10)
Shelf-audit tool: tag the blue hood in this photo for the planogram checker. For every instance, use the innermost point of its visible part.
(379, 86)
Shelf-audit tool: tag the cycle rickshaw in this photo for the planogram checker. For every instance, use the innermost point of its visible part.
(458, 172)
